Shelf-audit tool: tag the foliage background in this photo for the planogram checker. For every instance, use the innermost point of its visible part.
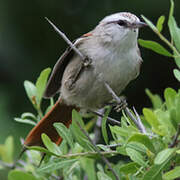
(28, 44)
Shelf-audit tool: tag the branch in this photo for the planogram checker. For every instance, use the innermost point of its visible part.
(97, 128)
(7, 165)
(67, 40)
(136, 120)
(87, 154)
(111, 120)
(113, 94)
(98, 151)
(113, 145)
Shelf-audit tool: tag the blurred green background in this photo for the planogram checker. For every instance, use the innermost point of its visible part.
(28, 45)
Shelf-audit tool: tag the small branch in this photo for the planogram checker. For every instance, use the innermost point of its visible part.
(87, 154)
(174, 141)
(98, 151)
(111, 120)
(97, 128)
(7, 165)
(113, 145)
(139, 122)
(66, 39)
(136, 120)
(115, 97)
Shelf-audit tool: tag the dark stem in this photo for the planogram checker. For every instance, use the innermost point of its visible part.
(98, 151)
(97, 128)
(109, 119)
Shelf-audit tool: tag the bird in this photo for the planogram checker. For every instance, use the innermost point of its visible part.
(113, 57)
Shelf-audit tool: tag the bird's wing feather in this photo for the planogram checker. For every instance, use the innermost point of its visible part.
(54, 82)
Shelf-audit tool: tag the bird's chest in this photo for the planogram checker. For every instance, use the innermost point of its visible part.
(118, 69)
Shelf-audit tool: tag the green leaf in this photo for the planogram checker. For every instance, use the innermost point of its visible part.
(177, 109)
(160, 23)
(166, 125)
(103, 125)
(151, 25)
(30, 91)
(163, 156)
(119, 131)
(155, 99)
(177, 59)
(20, 175)
(173, 174)
(170, 95)
(152, 120)
(173, 117)
(77, 117)
(174, 30)
(3, 152)
(41, 84)
(52, 147)
(89, 167)
(77, 132)
(136, 157)
(65, 133)
(103, 176)
(158, 143)
(137, 146)
(154, 46)
(132, 177)
(175, 33)
(40, 149)
(28, 115)
(129, 168)
(59, 164)
(143, 139)
(25, 121)
(177, 74)
(154, 173)
(121, 150)
(27, 118)
(7, 150)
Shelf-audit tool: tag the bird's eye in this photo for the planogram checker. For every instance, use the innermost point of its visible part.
(122, 23)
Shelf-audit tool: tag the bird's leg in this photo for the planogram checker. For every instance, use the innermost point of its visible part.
(121, 105)
(120, 102)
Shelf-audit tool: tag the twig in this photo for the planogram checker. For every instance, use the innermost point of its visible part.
(98, 151)
(108, 118)
(115, 97)
(174, 141)
(89, 153)
(67, 40)
(113, 145)
(136, 120)
(97, 128)
(7, 165)
(139, 122)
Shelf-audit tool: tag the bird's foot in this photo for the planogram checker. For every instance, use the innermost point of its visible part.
(122, 104)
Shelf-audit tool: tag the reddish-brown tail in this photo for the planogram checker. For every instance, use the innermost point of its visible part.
(59, 113)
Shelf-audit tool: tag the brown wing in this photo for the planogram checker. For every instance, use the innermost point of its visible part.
(54, 82)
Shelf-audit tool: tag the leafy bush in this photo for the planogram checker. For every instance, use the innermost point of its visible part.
(153, 154)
